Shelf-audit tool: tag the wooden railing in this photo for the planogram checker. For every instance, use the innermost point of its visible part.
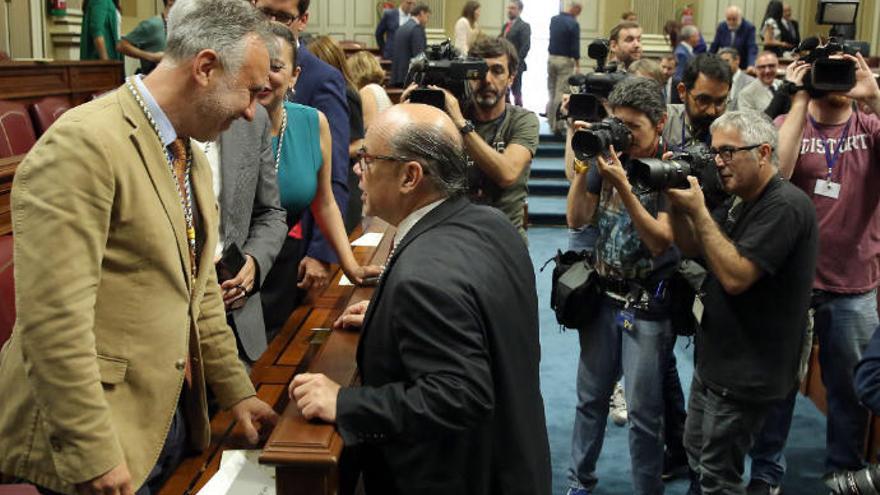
(307, 455)
(78, 81)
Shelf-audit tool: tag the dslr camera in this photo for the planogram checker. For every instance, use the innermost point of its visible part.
(863, 482)
(442, 65)
(827, 74)
(590, 143)
(651, 174)
(590, 89)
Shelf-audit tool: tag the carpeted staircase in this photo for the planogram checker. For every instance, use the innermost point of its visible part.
(547, 184)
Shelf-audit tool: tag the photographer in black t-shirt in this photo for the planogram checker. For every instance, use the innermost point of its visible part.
(753, 306)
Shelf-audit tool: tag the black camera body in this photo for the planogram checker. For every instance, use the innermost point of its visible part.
(589, 90)
(652, 174)
(442, 65)
(592, 142)
(828, 74)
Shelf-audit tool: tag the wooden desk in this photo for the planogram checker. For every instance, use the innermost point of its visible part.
(306, 454)
(76, 80)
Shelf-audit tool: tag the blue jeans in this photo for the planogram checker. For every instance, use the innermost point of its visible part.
(768, 461)
(641, 354)
(583, 238)
(844, 325)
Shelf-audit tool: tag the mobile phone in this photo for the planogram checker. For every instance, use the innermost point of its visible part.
(231, 262)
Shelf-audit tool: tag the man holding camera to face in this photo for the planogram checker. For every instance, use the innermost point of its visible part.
(752, 308)
(829, 149)
(500, 138)
(629, 330)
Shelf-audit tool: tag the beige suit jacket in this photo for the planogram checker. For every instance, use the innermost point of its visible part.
(106, 316)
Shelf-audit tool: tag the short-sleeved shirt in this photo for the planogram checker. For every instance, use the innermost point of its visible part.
(516, 126)
(749, 344)
(149, 36)
(849, 227)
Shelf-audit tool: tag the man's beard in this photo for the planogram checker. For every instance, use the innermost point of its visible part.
(212, 113)
(511, 16)
(486, 97)
(700, 123)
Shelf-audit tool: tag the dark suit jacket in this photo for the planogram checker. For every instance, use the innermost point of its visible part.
(409, 41)
(250, 214)
(386, 30)
(744, 42)
(520, 35)
(450, 400)
(321, 86)
(792, 35)
(682, 57)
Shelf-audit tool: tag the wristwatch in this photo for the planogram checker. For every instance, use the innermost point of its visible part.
(467, 128)
(789, 88)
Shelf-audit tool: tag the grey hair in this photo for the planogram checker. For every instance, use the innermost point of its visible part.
(753, 128)
(220, 25)
(642, 94)
(733, 52)
(688, 31)
(441, 156)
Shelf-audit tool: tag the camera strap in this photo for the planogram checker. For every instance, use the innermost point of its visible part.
(831, 158)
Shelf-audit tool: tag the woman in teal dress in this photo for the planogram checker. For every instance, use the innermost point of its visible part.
(301, 144)
(100, 30)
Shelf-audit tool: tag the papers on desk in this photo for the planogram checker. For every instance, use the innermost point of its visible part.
(370, 239)
(343, 281)
(241, 473)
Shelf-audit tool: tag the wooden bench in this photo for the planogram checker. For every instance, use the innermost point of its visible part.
(77, 81)
(306, 454)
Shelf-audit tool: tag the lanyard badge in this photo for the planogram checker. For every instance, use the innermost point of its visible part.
(826, 187)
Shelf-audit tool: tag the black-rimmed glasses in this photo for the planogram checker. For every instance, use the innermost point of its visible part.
(279, 16)
(726, 152)
(366, 159)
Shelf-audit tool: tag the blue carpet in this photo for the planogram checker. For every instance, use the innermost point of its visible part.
(806, 444)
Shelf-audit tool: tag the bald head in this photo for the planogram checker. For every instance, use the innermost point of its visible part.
(733, 17)
(390, 122)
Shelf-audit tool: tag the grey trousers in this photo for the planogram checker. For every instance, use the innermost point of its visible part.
(719, 432)
(559, 69)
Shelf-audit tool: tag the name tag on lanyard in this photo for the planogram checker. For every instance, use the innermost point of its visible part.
(826, 187)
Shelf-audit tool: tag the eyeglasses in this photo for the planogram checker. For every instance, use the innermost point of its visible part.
(366, 159)
(726, 152)
(279, 16)
(704, 101)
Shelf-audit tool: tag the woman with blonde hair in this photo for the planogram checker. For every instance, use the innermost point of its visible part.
(467, 26)
(368, 77)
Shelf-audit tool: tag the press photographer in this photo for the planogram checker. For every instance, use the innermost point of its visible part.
(629, 329)
(829, 148)
(500, 138)
(752, 311)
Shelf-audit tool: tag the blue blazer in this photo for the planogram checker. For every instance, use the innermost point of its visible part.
(682, 57)
(386, 30)
(744, 42)
(321, 86)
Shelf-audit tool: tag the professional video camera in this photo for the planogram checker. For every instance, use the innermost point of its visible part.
(585, 102)
(590, 143)
(863, 482)
(442, 65)
(827, 74)
(651, 174)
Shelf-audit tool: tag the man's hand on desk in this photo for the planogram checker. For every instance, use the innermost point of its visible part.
(315, 396)
(241, 285)
(115, 481)
(353, 316)
(313, 273)
(255, 416)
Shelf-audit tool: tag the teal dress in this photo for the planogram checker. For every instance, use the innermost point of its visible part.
(99, 19)
(300, 158)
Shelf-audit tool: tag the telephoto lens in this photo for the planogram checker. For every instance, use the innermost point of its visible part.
(653, 174)
(863, 482)
(596, 140)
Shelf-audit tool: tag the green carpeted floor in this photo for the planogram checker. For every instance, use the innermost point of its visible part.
(806, 445)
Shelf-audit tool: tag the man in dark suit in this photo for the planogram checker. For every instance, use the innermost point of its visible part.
(450, 400)
(684, 52)
(388, 24)
(251, 217)
(791, 32)
(519, 33)
(320, 86)
(409, 41)
(738, 33)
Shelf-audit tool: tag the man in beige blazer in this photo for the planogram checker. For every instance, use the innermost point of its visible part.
(117, 336)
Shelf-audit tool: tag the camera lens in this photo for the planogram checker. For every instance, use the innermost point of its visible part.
(655, 175)
(588, 144)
